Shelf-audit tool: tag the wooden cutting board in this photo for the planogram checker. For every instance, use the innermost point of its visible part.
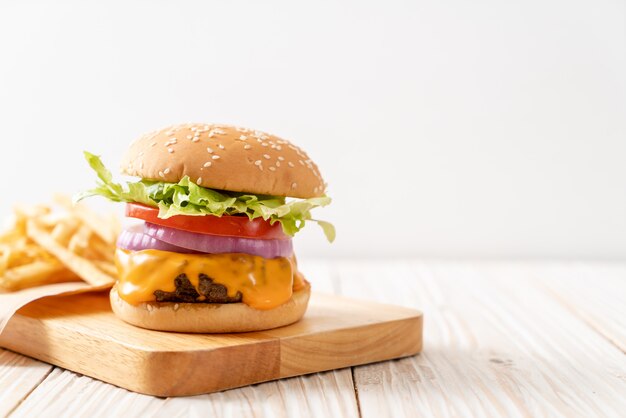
(80, 333)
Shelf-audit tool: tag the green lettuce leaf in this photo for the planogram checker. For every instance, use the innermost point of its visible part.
(187, 198)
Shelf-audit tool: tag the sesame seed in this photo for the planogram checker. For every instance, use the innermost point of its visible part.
(264, 144)
(193, 128)
(141, 165)
(161, 174)
(211, 134)
(277, 163)
(215, 157)
(243, 138)
(189, 136)
(141, 154)
(220, 146)
(195, 139)
(152, 144)
(281, 158)
(170, 150)
(278, 147)
(207, 164)
(301, 162)
(294, 185)
(272, 168)
(266, 156)
(247, 146)
(166, 171)
(209, 150)
(258, 162)
(199, 180)
(290, 164)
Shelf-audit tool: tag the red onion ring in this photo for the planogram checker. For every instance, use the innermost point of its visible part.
(214, 244)
(133, 239)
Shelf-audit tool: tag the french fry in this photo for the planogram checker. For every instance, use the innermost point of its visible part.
(102, 250)
(106, 266)
(5, 257)
(79, 265)
(43, 245)
(24, 212)
(95, 222)
(34, 274)
(63, 231)
(80, 241)
(51, 219)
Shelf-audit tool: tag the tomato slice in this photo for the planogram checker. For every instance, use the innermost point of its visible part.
(225, 225)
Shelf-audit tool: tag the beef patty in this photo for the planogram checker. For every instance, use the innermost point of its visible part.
(207, 292)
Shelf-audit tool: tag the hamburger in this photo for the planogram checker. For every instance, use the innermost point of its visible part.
(217, 207)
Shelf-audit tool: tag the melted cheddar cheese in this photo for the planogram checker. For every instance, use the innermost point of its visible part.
(263, 283)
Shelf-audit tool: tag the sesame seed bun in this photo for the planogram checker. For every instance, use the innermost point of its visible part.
(210, 317)
(225, 158)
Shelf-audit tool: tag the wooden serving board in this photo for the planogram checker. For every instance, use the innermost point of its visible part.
(80, 333)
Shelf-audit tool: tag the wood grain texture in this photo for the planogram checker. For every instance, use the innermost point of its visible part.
(19, 376)
(594, 292)
(80, 333)
(320, 394)
(501, 339)
(495, 345)
(66, 394)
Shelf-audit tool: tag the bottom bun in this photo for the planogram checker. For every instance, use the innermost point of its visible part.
(210, 317)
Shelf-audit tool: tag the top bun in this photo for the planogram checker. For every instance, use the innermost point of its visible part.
(224, 157)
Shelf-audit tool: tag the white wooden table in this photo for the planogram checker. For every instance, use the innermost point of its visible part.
(505, 339)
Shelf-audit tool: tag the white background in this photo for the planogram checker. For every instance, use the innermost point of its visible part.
(446, 128)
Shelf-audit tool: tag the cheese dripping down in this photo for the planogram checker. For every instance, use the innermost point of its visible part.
(263, 283)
